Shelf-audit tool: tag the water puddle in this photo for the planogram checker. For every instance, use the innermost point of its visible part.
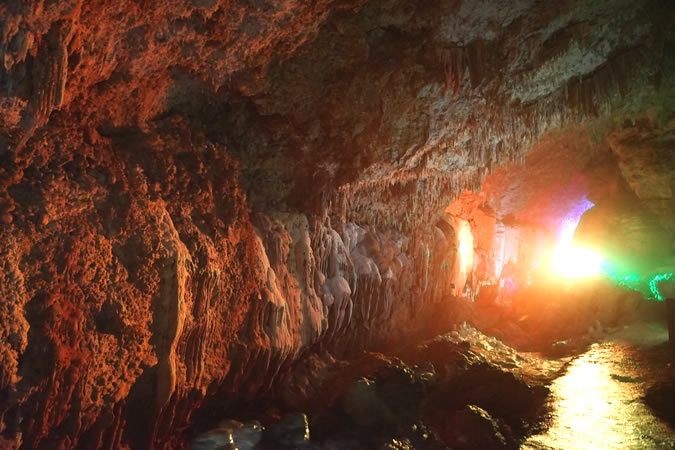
(597, 404)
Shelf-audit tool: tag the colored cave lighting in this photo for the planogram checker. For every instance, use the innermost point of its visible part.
(465, 265)
(631, 282)
(466, 246)
(577, 262)
(646, 285)
(573, 261)
(654, 282)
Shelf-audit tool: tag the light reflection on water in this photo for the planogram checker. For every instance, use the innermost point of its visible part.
(597, 404)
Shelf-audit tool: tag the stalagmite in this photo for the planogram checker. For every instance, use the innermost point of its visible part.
(212, 210)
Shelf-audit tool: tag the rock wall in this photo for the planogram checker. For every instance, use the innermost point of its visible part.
(138, 283)
(194, 194)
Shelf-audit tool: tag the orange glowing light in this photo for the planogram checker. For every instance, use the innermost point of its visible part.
(464, 255)
(465, 246)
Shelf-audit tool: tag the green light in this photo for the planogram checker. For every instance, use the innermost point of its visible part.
(648, 285)
(652, 284)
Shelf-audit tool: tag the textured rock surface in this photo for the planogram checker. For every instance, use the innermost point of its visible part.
(426, 400)
(195, 193)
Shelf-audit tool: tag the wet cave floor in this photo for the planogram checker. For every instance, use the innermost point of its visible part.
(468, 390)
(599, 402)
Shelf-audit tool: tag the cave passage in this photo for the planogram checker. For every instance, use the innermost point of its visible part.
(598, 402)
(337, 224)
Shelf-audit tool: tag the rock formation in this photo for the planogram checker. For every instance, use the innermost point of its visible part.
(195, 194)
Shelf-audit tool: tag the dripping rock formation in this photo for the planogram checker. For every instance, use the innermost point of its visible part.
(197, 194)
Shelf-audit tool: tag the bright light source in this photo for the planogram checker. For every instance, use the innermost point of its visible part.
(465, 255)
(465, 246)
(568, 259)
(577, 262)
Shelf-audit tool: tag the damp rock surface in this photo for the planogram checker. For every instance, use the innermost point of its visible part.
(195, 195)
(614, 394)
(608, 396)
(450, 394)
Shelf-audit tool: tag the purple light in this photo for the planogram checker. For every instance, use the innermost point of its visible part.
(570, 222)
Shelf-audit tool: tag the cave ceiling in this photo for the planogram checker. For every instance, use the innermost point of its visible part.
(346, 103)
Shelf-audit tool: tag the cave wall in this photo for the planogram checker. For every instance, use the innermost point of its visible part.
(138, 284)
(194, 194)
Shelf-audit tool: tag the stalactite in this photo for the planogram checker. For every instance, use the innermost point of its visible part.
(477, 56)
(454, 67)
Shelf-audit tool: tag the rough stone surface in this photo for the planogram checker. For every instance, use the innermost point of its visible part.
(426, 400)
(193, 194)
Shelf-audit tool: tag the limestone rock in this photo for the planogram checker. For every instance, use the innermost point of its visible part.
(194, 195)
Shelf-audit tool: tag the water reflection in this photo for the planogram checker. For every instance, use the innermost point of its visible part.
(597, 404)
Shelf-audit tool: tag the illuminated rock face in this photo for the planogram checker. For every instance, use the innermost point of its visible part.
(193, 194)
(545, 216)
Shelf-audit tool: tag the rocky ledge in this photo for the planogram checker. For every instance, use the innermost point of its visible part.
(460, 390)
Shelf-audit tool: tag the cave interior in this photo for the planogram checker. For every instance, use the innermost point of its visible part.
(337, 224)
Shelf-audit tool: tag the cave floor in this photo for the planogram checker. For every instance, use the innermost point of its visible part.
(599, 400)
(467, 390)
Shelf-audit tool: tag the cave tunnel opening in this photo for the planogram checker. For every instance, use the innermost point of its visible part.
(337, 224)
